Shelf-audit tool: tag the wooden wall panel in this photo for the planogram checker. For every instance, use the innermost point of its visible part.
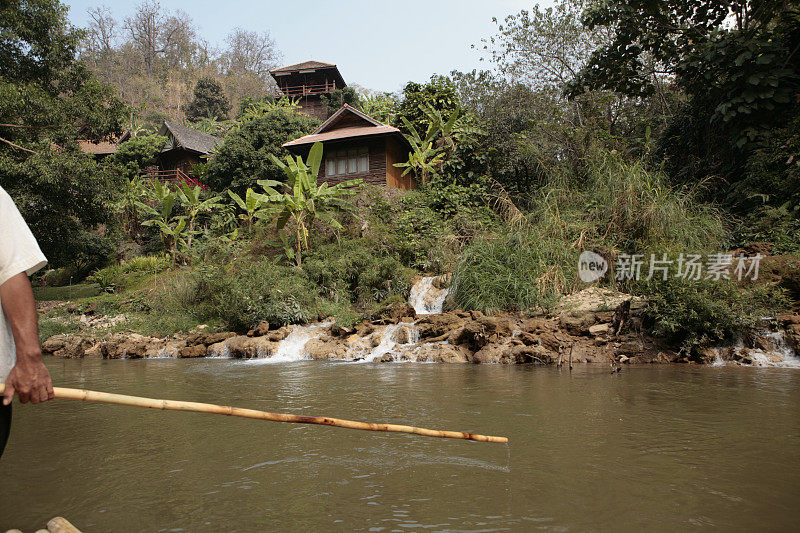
(396, 152)
(377, 161)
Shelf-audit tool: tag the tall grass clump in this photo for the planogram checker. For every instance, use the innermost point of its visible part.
(638, 210)
(617, 207)
(513, 271)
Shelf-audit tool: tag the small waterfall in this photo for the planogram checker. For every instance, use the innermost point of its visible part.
(386, 345)
(781, 354)
(292, 347)
(220, 352)
(425, 298)
(393, 336)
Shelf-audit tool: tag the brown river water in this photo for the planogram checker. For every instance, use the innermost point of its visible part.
(651, 448)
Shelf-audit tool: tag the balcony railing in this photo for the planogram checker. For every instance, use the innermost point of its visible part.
(174, 176)
(308, 90)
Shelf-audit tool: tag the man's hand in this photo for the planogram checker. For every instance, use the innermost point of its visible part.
(30, 380)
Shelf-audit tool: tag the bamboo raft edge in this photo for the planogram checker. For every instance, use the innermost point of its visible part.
(197, 407)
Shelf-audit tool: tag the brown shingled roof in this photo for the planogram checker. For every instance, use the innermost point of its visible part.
(344, 133)
(328, 132)
(97, 148)
(304, 65)
(190, 139)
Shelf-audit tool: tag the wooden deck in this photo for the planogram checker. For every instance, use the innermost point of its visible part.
(308, 90)
(173, 176)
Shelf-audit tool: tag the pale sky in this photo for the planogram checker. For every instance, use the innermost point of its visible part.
(377, 44)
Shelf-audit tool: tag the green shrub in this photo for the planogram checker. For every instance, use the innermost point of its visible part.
(61, 276)
(448, 199)
(145, 263)
(56, 326)
(775, 225)
(352, 271)
(416, 234)
(244, 295)
(696, 313)
(109, 279)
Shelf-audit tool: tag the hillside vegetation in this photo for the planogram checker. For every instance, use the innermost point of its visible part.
(564, 145)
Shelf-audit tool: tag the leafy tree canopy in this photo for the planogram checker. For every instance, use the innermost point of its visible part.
(47, 100)
(135, 154)
(243, 158)
(440, 93)
(209, 101)
(339, 97)
(739, 57)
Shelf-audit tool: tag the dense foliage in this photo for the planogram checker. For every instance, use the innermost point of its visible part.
(642, 127)
(47, 101)
(243, 158)
(209, 101)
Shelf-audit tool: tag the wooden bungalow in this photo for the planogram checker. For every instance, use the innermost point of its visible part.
(307, 82)
(184, 149)
(357, 146)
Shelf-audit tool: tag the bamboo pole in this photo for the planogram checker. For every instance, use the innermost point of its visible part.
(175, 405)
(61, 525)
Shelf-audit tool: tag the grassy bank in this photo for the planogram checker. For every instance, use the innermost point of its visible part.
(504, 259)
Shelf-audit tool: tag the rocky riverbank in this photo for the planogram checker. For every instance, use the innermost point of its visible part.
(591, 327)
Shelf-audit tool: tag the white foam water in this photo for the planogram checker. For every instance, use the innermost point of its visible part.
(781, 355)
(387, 344)
(292, 348)
(389, 341)
(427, 299)
(788, 358)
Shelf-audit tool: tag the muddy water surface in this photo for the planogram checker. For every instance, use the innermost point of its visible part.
(661, 447)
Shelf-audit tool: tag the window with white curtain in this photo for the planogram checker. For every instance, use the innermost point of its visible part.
(344, 162)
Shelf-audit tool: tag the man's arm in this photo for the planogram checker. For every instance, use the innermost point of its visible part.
(29, 378)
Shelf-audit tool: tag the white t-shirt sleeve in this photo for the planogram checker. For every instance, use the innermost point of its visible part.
(19, 251)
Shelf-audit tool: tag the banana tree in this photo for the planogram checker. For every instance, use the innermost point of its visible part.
(456, 128)
(305, 201)
(126, 205)
(193, 202)
(252, 205)
(163, 200)
(425, 157)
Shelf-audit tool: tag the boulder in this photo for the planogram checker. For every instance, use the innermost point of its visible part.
(551, 340)
(577, 325)
(431, 353)
(278, 334)
(495, 327)
(173, 347)
(533, 354)
(493, 353)
(67, 346)
(321, 350)
(437, 325)
(395, 311)
(95, 352)
(198, 350)
(54, 343)
(208, 338)
(260, 330)
(707, 355)
(250, 347)
(135, 346)
(599, 329)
